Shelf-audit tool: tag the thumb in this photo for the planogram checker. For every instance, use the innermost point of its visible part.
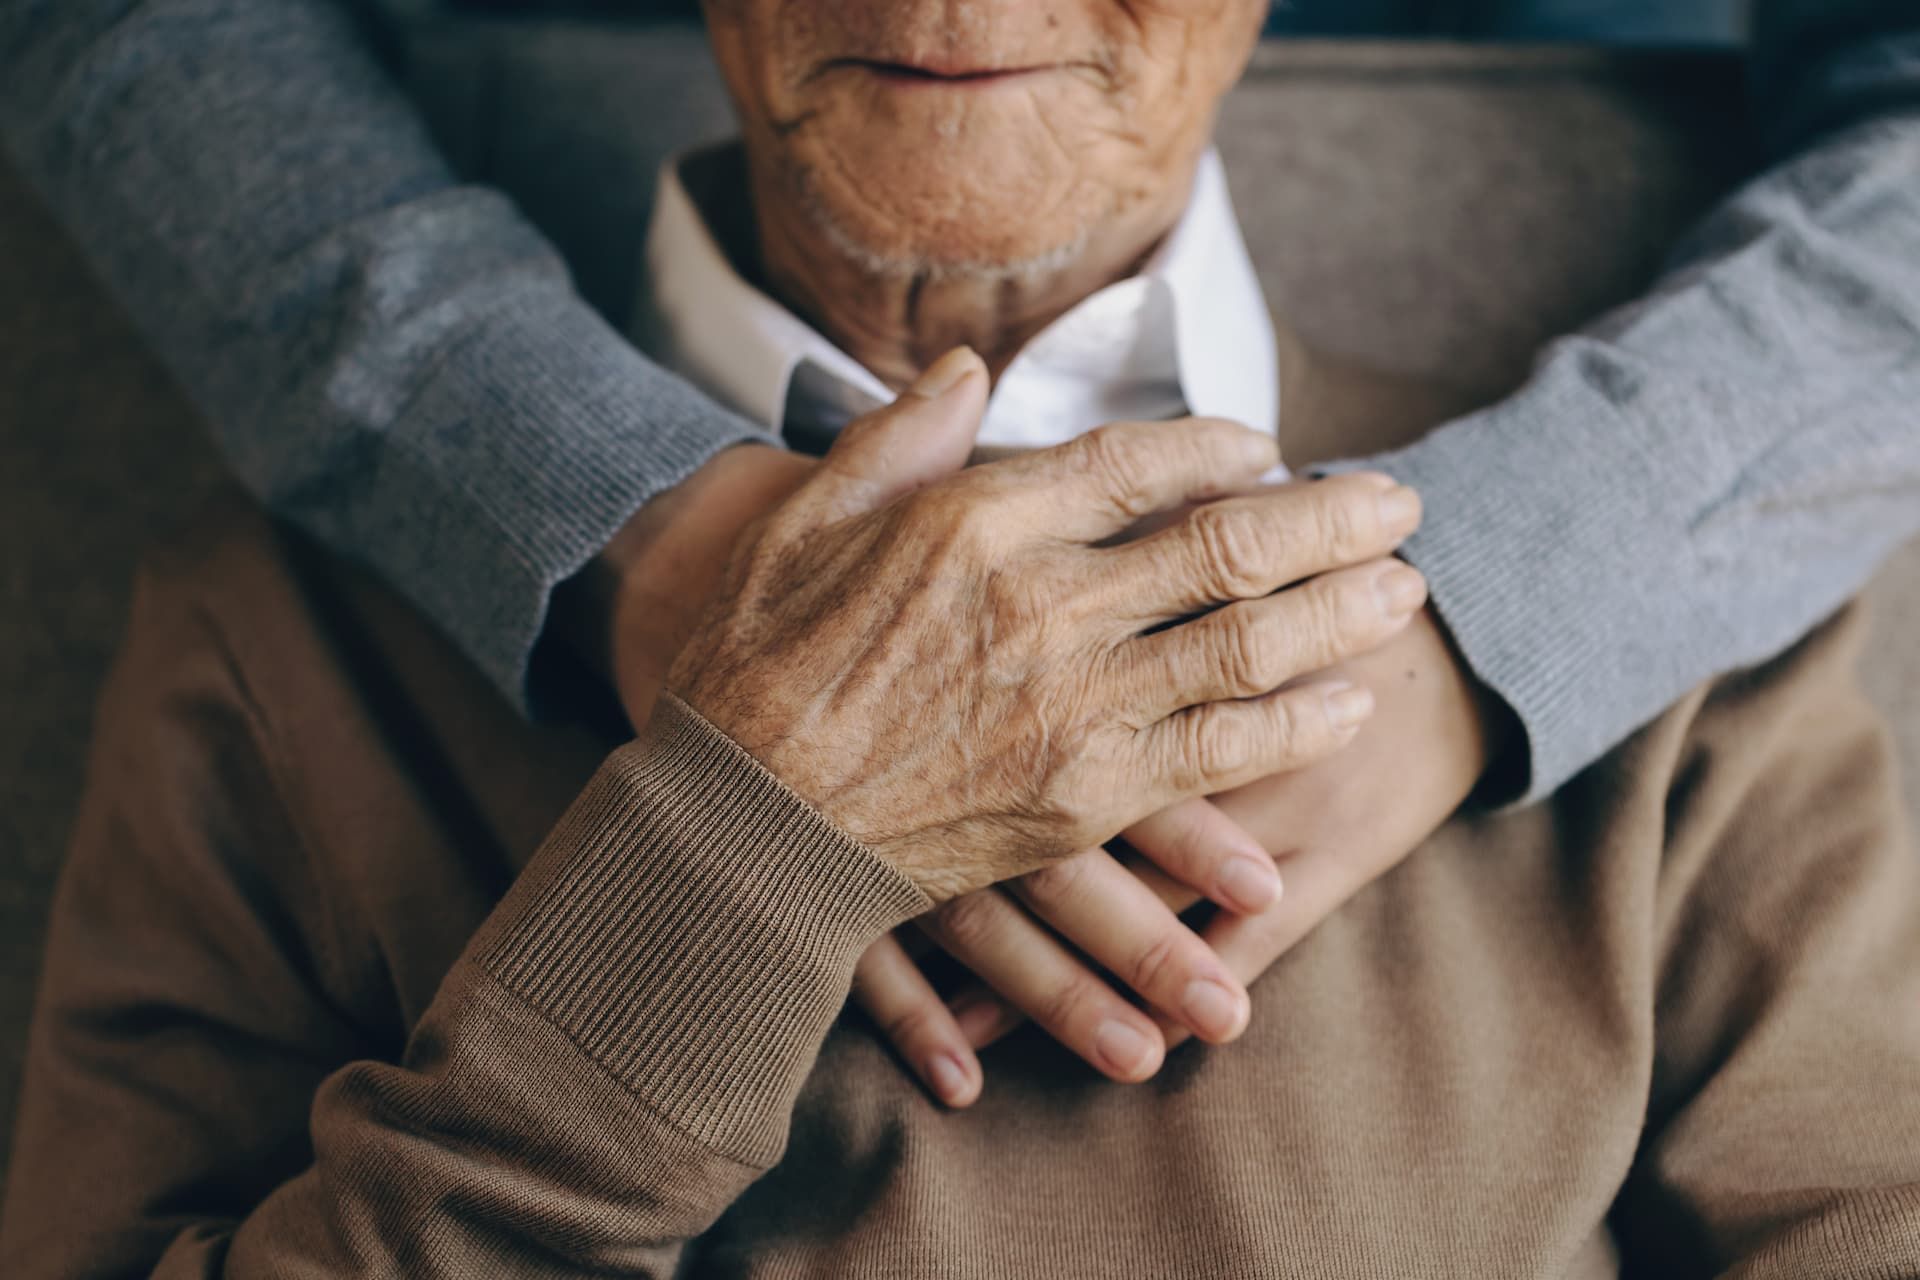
(923, 436)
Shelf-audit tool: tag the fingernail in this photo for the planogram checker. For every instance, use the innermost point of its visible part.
(1124, 1049)
(948, 1076)
(1400, 510)
(1211, 1008)
(1250, 884)
(1401, 590)
(945, 373)
(1348, 704)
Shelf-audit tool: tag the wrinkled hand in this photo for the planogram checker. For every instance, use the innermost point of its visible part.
(629, 611)
(955, 669)
(1334, 827)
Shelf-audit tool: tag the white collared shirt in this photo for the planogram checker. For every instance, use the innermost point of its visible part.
(1191, 334)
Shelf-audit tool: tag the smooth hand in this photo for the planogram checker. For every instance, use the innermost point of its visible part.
(957, 669)
(1333, 828)
(1340, 824)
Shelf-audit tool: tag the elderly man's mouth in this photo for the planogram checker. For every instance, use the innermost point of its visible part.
(915, 75)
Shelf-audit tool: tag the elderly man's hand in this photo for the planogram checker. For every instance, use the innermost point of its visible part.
(1334, 827)
(962, 672)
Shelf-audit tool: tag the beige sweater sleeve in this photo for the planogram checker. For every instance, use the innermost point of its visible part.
(611, 1062)
(617, 1055)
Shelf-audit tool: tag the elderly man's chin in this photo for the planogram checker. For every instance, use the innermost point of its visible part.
(988, 190)
(937, 228)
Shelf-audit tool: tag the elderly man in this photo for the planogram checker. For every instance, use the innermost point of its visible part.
(297, 1022)
(396, 363)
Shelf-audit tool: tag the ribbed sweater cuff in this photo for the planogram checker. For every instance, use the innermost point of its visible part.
(692, 925)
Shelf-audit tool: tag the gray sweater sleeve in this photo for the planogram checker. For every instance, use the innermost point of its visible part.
(394, 361)
(1691, 484)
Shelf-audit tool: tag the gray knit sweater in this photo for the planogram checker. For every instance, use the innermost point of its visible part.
(400, 364)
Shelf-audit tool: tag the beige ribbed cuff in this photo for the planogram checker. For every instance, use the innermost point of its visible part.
(693, 925)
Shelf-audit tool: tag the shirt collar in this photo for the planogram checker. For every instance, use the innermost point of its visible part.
(1191, 333)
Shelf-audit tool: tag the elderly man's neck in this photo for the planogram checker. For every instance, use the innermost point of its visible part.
(896, 318)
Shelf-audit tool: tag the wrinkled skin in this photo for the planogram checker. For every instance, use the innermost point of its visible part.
(1112, 102)
(954, 670)
(906, 203)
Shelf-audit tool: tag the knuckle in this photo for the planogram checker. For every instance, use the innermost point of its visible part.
(1334, 622)
(1283, 727)
(1072, 806)
(1288, 720)
(1343, 527)
(1223, 744)
(1230, 547)
(1113, 456)
(1354, 618)
(1057, 883)
(1302, 731)
(1072, 1003)
(1154, 968)
(1248, 654)
(969, 923)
